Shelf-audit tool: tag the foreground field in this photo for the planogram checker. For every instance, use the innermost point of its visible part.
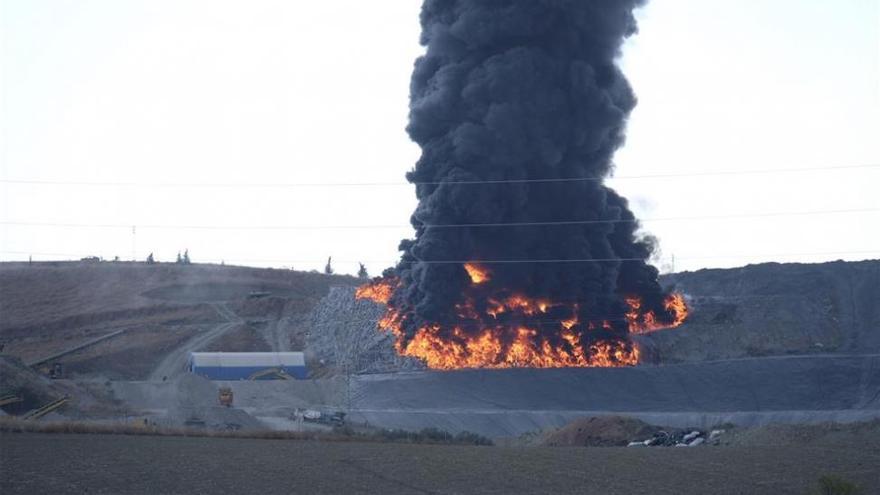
(48, 463)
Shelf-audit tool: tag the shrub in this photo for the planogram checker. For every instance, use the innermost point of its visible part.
(467, 437)
(835, 485)
(435, 435)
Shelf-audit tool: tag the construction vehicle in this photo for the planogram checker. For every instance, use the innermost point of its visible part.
(271, 374)
(57, 371)
(225, 396)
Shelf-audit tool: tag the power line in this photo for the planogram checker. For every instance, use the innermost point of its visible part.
(610, 260)
(442, 226)
(670, 175)
(491, 262)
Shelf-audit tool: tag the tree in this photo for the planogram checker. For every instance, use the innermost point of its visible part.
(362, 273)
(328, 268)
(186, 257)
(179, 259)
(150, 259)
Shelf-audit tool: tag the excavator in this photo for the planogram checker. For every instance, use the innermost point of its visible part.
(271, 374)
(225, 395)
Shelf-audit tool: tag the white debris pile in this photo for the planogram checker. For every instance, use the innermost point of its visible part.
(343, 336)
(683, 438)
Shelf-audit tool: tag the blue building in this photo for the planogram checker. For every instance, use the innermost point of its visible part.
(248, 365)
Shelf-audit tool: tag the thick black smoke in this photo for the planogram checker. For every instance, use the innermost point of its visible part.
(513, 90)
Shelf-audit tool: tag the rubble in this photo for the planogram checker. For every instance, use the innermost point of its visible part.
(343, 336)
(692, 438)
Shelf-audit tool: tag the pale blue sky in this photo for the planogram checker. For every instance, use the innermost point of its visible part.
(274, 92)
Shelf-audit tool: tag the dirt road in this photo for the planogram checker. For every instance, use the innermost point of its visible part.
(175, 361)
(130, 464)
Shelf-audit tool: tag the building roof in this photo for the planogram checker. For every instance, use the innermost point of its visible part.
(247, 359)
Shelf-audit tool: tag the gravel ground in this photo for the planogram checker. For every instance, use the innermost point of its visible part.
(50, 463)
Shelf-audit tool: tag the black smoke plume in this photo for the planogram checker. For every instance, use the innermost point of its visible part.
(526, 91)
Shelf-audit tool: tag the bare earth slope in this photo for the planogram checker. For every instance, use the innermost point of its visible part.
(774, 308)
(49, 308)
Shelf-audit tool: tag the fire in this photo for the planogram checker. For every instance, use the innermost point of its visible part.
(519, 303)
(517, 331)
(675, 304)
(379, 291)
(646, 322)
(487, 350)
(477, 273)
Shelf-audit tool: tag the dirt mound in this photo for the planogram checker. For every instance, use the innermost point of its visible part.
(602, 431)
(773, 309)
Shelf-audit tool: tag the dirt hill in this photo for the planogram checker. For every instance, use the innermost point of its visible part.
(773, 308)
(601, 431)
(47, 308)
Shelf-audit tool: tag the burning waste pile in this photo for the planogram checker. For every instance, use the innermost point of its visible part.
(522, 257)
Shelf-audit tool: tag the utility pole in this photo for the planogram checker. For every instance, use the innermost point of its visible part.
(133, 243)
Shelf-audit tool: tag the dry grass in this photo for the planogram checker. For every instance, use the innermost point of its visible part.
(428, 436)
(13, 425)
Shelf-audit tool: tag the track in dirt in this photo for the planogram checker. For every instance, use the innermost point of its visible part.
(174, 363)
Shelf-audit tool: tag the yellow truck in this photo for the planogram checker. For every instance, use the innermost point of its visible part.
(225, 396)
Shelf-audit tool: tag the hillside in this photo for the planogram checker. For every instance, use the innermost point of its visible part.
(774, 308)
(49, 307)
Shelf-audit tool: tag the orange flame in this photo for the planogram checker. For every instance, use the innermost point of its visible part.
(477, 273)
(487, 350)
(646, 322)
(379, 290)
(497, 345)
